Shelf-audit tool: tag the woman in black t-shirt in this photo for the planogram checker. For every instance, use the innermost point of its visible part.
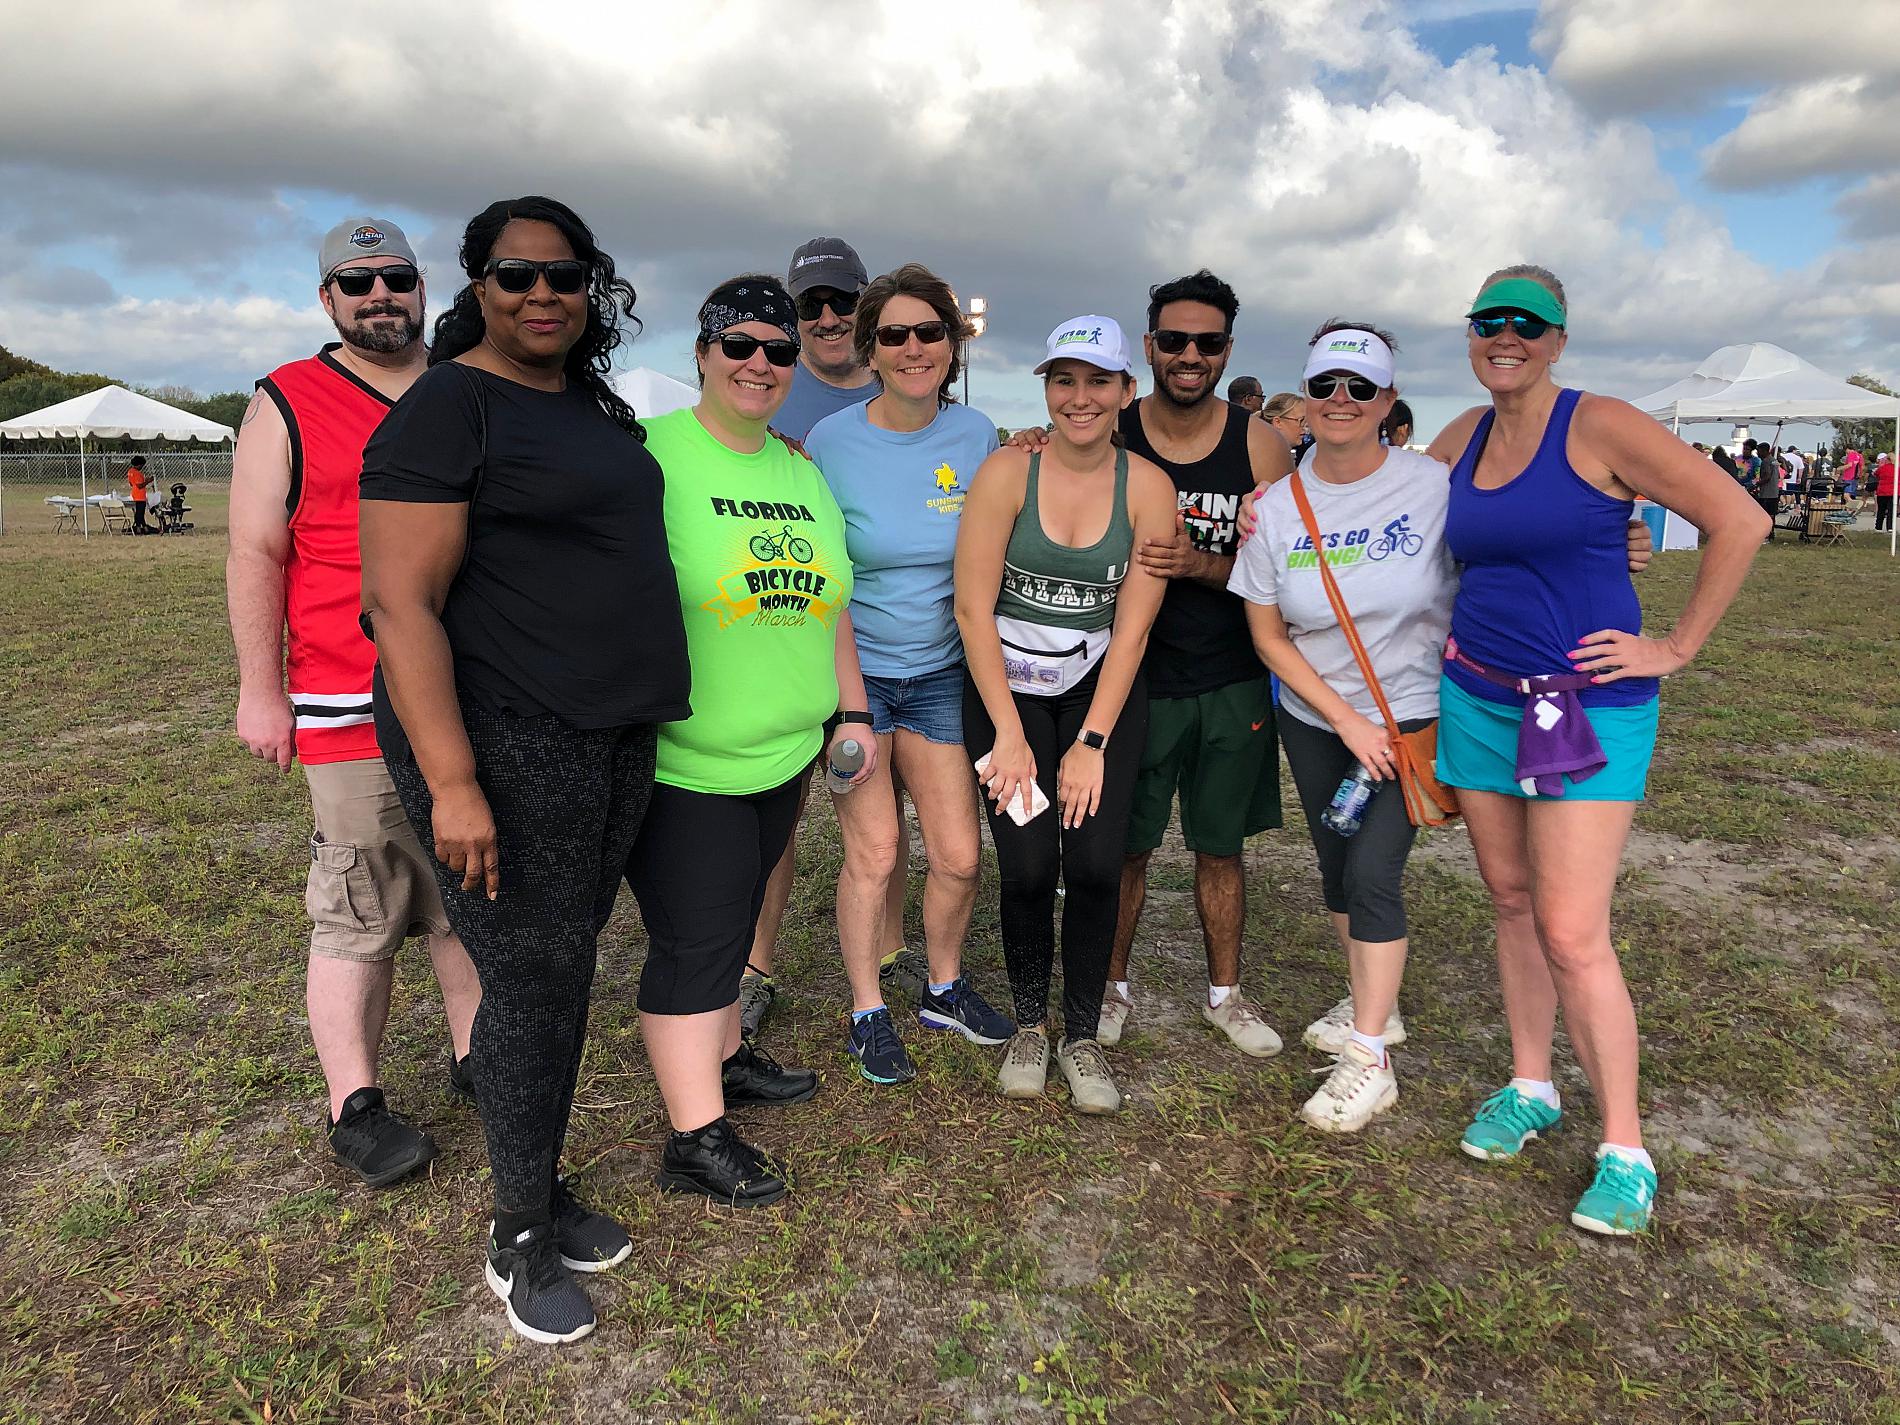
(529, 639)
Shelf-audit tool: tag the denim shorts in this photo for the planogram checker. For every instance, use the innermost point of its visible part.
(930, 704)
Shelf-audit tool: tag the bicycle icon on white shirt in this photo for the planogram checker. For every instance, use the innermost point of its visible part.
(1397, 538)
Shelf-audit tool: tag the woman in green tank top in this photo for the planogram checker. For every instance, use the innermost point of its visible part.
(1054, 613)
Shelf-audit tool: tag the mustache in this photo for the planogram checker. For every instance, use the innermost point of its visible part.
(839, 330)
(386, 310)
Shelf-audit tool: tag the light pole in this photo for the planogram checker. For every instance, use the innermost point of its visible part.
(977, 316)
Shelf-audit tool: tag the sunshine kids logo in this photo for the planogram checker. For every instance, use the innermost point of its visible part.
(950, 499)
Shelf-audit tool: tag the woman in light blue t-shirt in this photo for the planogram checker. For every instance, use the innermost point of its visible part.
(899, 466)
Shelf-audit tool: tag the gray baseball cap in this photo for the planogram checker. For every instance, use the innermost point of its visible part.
(355, 238)
(826, 262)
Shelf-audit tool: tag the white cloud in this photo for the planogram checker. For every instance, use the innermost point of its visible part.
(1056, 158)
(1841, 125)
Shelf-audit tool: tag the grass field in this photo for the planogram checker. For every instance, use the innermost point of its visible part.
(179, 1247)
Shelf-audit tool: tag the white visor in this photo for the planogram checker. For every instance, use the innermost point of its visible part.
(1351, 349)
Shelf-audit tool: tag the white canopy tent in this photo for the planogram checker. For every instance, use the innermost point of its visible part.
(111, 411)
(651, 393)
(1757, 381)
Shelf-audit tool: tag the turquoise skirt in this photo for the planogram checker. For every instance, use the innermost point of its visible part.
(1477, 748)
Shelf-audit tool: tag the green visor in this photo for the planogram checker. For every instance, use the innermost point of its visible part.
(1520, 294)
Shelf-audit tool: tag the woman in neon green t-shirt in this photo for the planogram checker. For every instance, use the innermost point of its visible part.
(758, 550)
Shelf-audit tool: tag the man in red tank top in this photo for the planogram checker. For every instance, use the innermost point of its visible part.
(294, 568)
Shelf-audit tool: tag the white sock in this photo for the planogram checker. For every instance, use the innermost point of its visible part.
(1375, 1046)
(1121, 988)
(1539, 1089)
(1634, 1155)
(1217, 994)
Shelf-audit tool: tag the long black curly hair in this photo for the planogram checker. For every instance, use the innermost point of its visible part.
(609, 300)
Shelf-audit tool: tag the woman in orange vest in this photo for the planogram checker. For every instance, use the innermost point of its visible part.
(140, 482)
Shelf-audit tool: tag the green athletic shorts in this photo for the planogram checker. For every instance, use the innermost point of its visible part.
(1222, 752)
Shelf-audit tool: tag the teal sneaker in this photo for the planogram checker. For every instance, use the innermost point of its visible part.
(1505, 1122)
(1621, 1201)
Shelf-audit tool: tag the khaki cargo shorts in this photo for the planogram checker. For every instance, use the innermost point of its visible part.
(371, 885)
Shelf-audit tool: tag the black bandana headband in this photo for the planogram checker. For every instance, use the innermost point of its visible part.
(748, 299)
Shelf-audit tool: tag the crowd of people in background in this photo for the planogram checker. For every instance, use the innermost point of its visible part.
(540, 645)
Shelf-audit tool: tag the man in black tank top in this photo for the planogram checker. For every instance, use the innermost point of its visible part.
(1210, 713)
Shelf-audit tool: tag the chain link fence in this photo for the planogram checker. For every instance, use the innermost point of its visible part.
(28, 478)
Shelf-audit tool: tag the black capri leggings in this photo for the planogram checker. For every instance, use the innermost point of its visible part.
(567, 804)
(698, 869)
(1363, 875)
(1089, 857)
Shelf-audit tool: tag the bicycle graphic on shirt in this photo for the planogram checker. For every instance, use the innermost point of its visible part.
(767, 546)
(1396, 538)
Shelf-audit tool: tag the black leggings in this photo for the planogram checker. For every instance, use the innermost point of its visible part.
(1362, 875)
(698, 869)
(1089, 857)
(567, 805)
(1883, 512)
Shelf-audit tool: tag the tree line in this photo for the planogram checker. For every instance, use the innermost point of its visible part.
(28, 385)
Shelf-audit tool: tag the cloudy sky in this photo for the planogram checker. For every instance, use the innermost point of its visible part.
(1699, 173)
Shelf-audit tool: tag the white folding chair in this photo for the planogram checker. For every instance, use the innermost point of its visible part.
(65, 512)
(112, 512)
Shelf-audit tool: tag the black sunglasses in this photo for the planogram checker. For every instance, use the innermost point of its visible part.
(928, 333)
(566, 275)
(357, 281)
(1525, 325)
(740, 347)
(1321, 387)
(1173, 343)
(811, 304)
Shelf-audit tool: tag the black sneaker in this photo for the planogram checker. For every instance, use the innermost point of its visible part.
(462, 1077)
(752, 1076)
(382, 1147)
(881, 1057)
(962, 1010)
(544, 1301)
(904, 969)
(719, 1163)
(589, 1241)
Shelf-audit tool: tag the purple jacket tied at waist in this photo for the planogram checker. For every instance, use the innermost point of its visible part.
(1554, 737)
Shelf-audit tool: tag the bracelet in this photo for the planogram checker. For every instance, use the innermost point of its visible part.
(854, 716)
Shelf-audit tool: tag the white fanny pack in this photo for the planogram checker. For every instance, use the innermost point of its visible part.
(1043, 660)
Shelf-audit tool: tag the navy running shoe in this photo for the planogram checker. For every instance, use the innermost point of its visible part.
(873, 1042)
(962, 1010)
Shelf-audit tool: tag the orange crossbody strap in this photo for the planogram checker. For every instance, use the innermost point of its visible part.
(1340, 611)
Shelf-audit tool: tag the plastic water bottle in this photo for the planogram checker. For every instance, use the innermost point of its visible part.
(843, 765)
(1348, 807)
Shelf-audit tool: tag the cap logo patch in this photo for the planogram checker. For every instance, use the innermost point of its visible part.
(1361, 346)
(1075, 334)
(367, 236)
(820, 257)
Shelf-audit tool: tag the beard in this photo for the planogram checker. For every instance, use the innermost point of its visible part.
(379, 338)
(1166, 391)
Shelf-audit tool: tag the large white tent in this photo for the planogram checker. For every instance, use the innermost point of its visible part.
(652, 394)
(111, 412)
(1758, 381)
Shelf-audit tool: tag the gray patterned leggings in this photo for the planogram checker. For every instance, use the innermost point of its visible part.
(567, 804)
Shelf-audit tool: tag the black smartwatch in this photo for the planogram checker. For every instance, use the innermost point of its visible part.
(1095, 740)
(854, 716)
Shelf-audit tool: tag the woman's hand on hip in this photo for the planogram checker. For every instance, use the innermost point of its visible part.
(1612, 654)
(465, 839)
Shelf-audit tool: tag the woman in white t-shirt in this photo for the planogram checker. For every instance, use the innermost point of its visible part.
(1381, 517)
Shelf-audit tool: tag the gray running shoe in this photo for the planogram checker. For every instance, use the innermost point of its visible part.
(1025, 1069)
(907, 970)
(1091, 1086)
(756, 993)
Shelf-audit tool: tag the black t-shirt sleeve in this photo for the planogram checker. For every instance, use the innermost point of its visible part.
(428, 449)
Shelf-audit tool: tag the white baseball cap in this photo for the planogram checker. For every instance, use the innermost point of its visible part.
(1096, 340)
(1351, 349)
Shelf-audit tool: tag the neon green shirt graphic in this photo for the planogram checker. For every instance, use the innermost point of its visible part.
(759, 553)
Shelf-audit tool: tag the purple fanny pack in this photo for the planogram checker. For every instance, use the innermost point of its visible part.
(1554, 736)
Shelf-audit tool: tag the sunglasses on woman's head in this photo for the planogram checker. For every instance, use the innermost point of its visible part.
(566, 275)
(928, 333)
(357, 281)
(1525, 325)
(811, 305)
(740, 348)
(1360, 388)
(1173, 343)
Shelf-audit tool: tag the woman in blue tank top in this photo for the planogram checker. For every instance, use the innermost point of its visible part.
(1548, 702)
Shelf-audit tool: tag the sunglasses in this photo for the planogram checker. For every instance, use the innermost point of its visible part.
(1360, 388)
(1526, 326)
(1173, 343)
(812, 304)
(740, 348)
(566, 275)
(928, 333)
(357, 281)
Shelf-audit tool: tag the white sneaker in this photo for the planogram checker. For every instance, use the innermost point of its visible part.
(1025, 1067)
(1330, 1032)
(1241, 1022)
(1091, 1086)
(1355, 1092)
(1115, 1011)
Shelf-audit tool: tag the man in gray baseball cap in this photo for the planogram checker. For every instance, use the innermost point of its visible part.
(825, 277)
(359, 256)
